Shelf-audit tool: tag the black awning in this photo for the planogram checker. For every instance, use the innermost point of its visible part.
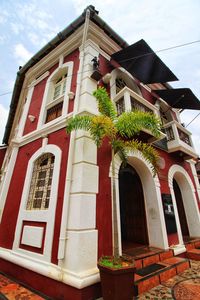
(142, 62)
(179, 98)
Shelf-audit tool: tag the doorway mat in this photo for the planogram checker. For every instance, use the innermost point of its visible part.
(149, 269)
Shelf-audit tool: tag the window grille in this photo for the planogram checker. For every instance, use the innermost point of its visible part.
(40, 187)
(54, 112)
(136, 105)
(120, 84)
(120, 106)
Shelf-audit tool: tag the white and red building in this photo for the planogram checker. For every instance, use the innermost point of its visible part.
(55, 192)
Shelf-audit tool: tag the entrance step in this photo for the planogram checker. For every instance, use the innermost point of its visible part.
(157, 272)
(193, 250)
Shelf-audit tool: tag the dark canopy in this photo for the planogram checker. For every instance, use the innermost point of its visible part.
(142, 62)
(179, 98)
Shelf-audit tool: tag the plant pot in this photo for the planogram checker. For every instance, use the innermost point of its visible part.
(117, 284)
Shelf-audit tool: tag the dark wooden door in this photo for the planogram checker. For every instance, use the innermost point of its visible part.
(132, 209)
(181, 210)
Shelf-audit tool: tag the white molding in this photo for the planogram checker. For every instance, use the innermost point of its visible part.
(7, 179)
(48, 215)
(77, 280)
(39, 79)
(152, 197)
(189, 201)
(48, 128)
(49, 85)
(25, 111)
(194, 173)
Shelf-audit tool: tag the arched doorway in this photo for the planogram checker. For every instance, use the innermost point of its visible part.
(132, 209)
(181, 211)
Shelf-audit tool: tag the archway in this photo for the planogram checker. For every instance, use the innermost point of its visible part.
(155, 223)
(132, 209)
(184, 203)
(181, 211)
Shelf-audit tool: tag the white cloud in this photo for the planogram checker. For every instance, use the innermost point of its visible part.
(22, 54)
(16, 27)
(3, 118)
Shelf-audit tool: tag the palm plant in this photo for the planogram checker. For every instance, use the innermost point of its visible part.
(121, 131)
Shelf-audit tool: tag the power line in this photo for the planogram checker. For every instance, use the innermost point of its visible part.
(193, 119)
(161, 50)
(143, 55)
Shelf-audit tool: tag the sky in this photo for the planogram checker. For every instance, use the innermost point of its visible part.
(26, 26)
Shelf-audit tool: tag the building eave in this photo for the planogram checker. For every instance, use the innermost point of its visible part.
(57, 40)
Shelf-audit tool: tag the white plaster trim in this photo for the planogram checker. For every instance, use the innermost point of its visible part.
(48, 215)
(50, 127)
(25, 111)
(178, 249)
(7, 179)
(194, 173)
(69, 67)
(189, 201)
(125, 75)
(152, 197)
(78, 281)
(39, 79)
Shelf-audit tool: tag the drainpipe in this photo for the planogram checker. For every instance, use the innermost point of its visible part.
(65, 212)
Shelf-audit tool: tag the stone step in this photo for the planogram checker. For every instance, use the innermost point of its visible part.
(156, 273)
(150, 258)
(193, 254)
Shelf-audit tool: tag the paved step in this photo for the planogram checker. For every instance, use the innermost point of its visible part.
(193, 250)
(156, 273)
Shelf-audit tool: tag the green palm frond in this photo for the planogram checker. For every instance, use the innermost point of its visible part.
(100, 127)
(149, 153)
(131, 123)
(119, 147)
(79, 122)
(105, 105)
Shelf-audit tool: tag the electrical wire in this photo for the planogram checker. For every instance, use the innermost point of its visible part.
(161, 50)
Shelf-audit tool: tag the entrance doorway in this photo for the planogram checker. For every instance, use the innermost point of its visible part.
(132, 209)
(181, 212)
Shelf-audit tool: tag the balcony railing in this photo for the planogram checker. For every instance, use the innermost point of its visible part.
(128, 100)
(179, 139)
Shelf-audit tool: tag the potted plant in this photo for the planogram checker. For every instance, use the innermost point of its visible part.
(120, 132)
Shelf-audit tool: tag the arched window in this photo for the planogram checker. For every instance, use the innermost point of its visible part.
(40, 187)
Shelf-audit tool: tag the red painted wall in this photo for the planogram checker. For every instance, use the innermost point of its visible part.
(75, 58)
(60, 139)
(39, 89)
(10, 214)
(103, 202)
(36, 102)
(49, 287)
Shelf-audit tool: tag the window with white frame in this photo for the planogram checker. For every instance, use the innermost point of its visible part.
(56, 97)
(40, 187)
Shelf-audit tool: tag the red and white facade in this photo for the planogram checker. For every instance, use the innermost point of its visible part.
(51, 234)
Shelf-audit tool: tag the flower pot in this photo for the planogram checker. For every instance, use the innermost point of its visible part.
(117, 284)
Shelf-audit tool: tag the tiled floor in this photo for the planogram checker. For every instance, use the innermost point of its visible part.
(185, 286)
(13, 291)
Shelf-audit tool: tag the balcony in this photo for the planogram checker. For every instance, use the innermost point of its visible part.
(179, 140)
(128, 100)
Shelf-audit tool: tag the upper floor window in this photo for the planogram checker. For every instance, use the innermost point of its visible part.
(40, 188)
(60, 87)
(56, 99)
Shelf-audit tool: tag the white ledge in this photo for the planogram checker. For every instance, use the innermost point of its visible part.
(77, 280)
